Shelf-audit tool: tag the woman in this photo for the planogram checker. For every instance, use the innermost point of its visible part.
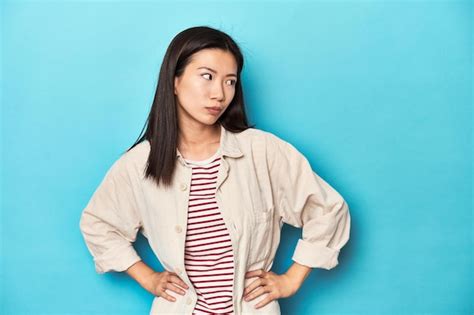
(210, 193)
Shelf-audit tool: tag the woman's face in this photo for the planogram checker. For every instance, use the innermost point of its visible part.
(208, 81)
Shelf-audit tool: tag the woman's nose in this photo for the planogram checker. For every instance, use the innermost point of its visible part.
(217, 92)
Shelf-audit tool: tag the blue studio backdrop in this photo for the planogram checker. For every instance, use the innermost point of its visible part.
(377, 95)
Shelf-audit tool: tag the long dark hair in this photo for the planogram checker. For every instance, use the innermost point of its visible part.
(162, 122)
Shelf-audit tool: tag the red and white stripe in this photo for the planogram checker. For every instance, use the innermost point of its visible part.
(209, 259)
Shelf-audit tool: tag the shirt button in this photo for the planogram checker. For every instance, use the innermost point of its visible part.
(183, 186)
(178, 229)
(189, 301)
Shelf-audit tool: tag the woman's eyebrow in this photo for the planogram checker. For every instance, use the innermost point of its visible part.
(212, 70)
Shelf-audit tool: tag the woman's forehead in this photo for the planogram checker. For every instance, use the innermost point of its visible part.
(215, 59)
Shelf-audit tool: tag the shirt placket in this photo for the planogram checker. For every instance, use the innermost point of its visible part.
(229, 222)
(183, 187)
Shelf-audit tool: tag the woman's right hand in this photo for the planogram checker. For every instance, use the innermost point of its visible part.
(159, 282)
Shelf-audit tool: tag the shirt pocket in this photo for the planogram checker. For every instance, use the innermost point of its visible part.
(261, 235)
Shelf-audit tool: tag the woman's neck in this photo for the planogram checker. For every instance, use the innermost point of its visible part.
(196, 143)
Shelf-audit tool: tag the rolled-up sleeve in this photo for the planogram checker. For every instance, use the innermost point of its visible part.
(110, 221)
(305, 200)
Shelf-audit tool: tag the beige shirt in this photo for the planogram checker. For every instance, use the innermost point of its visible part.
(263, 182)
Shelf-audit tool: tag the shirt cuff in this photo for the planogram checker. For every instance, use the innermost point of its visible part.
(315, 256)
(116, 259)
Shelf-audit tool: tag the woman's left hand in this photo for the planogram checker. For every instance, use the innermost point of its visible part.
(277, 286)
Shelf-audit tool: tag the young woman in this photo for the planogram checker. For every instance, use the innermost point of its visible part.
(210, 193)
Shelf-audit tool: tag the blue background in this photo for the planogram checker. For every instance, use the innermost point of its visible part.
(377, 95)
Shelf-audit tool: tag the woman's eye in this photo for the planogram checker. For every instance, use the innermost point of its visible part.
(232, 82)
(207, 74)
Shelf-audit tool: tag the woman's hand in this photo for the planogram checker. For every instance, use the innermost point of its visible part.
(277, 286)
(158, 282)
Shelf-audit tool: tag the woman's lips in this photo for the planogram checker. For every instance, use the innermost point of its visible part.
(213, 110)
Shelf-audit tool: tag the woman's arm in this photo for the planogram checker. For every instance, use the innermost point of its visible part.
(303, 199)
(276, 286)
(141, 272)
(157, 282)
(110, 221)
(298, 273)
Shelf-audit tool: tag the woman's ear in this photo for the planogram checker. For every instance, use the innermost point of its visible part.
(176, 81)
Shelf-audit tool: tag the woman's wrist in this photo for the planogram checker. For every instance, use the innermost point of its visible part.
(297, 273)
(142, 273)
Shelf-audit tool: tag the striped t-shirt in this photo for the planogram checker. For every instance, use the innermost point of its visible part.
(208, 258)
